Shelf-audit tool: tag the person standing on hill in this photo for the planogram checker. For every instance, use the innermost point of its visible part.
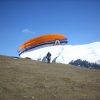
(48, 56)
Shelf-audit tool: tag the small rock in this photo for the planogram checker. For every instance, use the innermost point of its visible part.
(32, 97)
(25, 96)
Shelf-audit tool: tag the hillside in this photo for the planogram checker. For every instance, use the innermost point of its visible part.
(26, 79)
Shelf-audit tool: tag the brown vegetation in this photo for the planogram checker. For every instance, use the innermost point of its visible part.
(25, 79)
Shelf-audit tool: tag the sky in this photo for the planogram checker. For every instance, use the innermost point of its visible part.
(21, 20)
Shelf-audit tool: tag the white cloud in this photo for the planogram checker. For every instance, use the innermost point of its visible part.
(28, 31)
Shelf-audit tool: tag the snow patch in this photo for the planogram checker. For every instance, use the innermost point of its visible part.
(66, 53)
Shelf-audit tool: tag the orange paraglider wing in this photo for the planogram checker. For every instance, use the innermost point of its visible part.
(42, 40)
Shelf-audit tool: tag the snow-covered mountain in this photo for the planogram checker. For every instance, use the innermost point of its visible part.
(66, 53)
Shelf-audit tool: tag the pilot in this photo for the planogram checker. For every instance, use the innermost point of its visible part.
(48, 56)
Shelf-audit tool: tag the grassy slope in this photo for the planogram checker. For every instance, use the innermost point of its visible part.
(25, 79)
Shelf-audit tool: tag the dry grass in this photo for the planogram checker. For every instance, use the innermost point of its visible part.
(25, 79)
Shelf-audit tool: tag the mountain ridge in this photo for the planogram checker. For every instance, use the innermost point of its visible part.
(67, 53)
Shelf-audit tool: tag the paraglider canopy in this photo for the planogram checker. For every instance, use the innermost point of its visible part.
(44, 40)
